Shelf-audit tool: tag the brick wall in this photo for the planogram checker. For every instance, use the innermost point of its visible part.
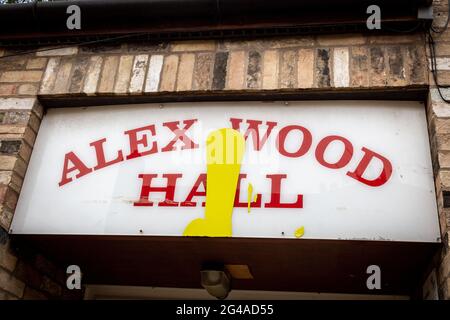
(347, 61)
(299, 64)
(439, 128)
(24, 274)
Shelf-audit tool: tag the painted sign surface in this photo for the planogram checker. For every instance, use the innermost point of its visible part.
(316, 170)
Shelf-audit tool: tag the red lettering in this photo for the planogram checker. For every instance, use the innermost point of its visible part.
(100, 153)
(275, 197)
(135, 142)
(346, 155)
(304, 147)
(180, 134)
(364, 163)
(195, 193)
(78, 165)
(168, 190)
(253, 129)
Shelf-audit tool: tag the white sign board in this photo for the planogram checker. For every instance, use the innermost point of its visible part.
(317, 170)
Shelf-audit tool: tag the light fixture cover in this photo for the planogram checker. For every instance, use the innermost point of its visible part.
(216, 282)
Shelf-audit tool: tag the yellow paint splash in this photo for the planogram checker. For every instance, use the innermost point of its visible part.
(249, 196)
(299, 232)
(224, 152)
(250, 200)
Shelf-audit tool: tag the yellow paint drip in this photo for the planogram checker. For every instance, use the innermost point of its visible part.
(249, 196)
(299, 232)
(224, 152)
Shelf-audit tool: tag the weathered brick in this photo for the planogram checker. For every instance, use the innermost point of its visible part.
(254, 70)
(154, 73)
(442, 63)
(138, 73)
(288, 69)
(11, 284)
(5, 177)
(377, 67)
(443, 78)
(247, 45)
(193, 45)
(396, 66)
(10, 146)
(220, 70)
(440, 109)
(34, 122)
(442, 47)
(359, 67)
(8, 260)
(78, 74)
(20, 167)
(108, 74)
(444, 268)
(7, 89)
(203, 71)
(48, 81)
(281, 43)
(28, 89)
(185, 72)
(13, 63)
(10, 200)
(6, 216)
(435, 97)
(25, 152)
(16, 182)
(394, 39)
(21, 76)
(442, 126)
(443, 180)
(29, 136)
(270, 69)
(340, 39)
(341, 74)
(305, 67)
(444, 159)
(7, 296)
(38, 109)
(169, 73)
(145, 47)
(16, 117)
(65, 51)
(102, 48)
(124, 74)
(93, 75)
(443, 142)
(7, 162)
(236, 70)
(37, 63)
(17, 103)
(63, 77)
(323, 76)
(445, 290)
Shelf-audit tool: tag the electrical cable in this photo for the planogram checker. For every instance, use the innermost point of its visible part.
(76, 44)
(433, 59)
(434, 70)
